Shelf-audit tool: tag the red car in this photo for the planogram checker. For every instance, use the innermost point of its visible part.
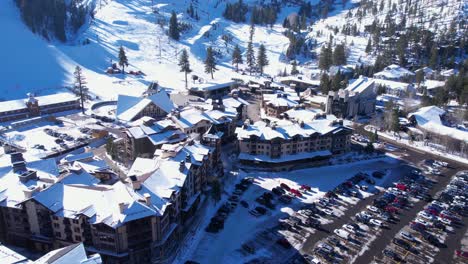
(401, 187)
(391, 209)
(431, 211)
(462, 254)
(296, 192)
(306, 187)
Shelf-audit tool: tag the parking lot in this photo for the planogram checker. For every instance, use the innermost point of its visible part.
(277, 213)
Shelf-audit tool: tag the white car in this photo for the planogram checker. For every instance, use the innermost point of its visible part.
(312, 259)
(341, 233)
(426, 216)
(444, 221)
(373, 209)
(421, 221)
(407, 236)
(328, 211)
(349, 228)
(376, 222)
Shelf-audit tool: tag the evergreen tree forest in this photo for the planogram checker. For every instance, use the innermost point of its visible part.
(52, 18)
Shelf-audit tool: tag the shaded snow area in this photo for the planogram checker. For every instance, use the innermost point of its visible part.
(132, 25)
(262, 232)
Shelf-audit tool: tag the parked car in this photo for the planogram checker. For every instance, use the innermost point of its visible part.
(407, 236)
(285, 186)
(462, 254)
(341, 233)
(392, 254)
(284, 243)
(402, 243)
(296, 192)
(244, 204)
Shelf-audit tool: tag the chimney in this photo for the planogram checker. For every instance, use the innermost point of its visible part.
(182, 166)
(136, 184)
(302, 124)
(188, 158)
(28, 193)
(122, 207)
(147, 198)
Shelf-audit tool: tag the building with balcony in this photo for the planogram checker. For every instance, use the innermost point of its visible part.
(287, 144)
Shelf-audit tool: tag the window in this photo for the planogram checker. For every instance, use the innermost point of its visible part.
(58, 234)
(55, 217)
(75, 221)
(56, 225)
(76, 229)
(78, 238)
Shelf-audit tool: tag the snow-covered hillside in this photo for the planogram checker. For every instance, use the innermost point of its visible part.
(32, 64)
(35, 65)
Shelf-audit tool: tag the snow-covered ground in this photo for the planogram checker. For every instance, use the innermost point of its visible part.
(241, 227)
(42, 67)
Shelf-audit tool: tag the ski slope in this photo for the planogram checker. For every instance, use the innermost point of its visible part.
(41, 67)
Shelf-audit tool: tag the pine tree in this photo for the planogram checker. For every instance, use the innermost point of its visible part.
(369, 46)
(325, 84)
(262, 59)
(79, 87)
(294, 70)
(434, 57)
(210, 62)
(123, 60)
(250, 57)
(174, 27)
(325, 58)
(339, 56)
(250, 54)
(184, 64)
(237, 57)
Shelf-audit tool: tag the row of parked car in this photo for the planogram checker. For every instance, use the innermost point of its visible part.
(105, 119)
(445, 211)
(217, 222)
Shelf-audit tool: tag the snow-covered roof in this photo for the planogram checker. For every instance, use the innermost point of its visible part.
(128, 107)
(360, 85)
(393, 72)
(285, 129)
(13, 190)
(75, 253)
(42, 101)
(448, 73)
(163, 182)
(170, 136)
(305, 115)
(110, 205)
(433, 84)
(429, 118)
(8, 256)
(143, 166)
(212, 87)
(279, 100)
(297, 79)
(393, 84)
(190, 116)
(232, 102)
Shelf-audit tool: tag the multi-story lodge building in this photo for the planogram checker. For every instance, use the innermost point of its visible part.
(36, 106)
(286, 144)
(139, 220)
(357, 99)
